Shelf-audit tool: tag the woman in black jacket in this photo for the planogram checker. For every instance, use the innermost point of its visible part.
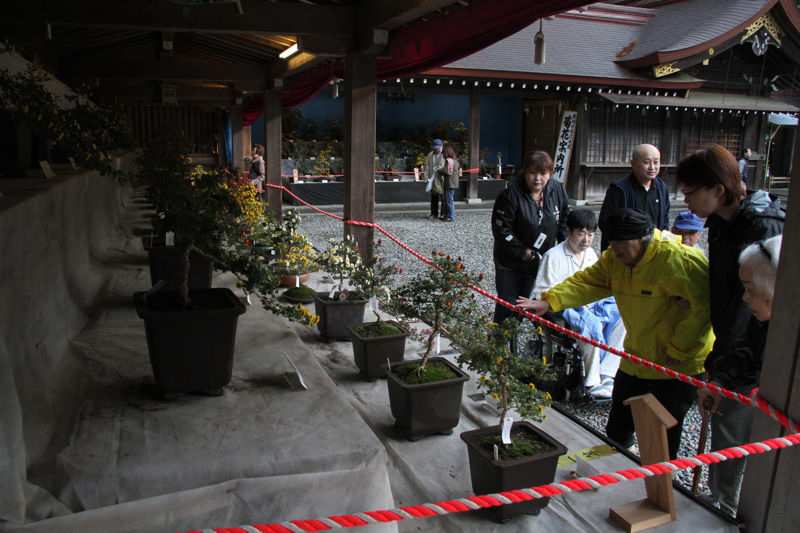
(528, 219)
(713, 187)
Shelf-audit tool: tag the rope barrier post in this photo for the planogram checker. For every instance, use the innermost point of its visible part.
(360, 108)
(651, 421)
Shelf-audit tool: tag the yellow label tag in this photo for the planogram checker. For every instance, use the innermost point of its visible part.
(587, 454)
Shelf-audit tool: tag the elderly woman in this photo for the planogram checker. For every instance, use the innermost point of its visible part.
(758, 266)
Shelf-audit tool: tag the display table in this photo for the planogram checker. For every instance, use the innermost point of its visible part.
(387, 192)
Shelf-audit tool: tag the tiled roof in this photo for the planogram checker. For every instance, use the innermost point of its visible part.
(688, 24)
(574, 47)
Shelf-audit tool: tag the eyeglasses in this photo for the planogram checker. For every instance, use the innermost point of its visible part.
(765, 251)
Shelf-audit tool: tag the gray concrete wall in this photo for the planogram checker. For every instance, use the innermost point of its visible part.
(54, 237)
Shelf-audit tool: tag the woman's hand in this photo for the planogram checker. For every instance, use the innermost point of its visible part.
(537, 307)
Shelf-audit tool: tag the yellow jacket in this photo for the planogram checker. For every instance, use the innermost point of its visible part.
(663, 301)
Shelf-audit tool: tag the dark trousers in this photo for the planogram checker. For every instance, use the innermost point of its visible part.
(436, 199)
(676, 397)
(510, 285)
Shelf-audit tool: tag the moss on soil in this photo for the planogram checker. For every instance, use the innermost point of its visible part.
(434, 371)
(378, 329)
(523, 444)
(299, 293)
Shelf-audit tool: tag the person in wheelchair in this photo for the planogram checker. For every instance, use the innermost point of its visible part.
(600, 320)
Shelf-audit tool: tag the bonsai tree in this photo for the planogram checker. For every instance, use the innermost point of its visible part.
(342, 260)
(373, 280)
(438, 297)
(504, 376)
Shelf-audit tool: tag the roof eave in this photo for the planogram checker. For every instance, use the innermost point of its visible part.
(660, 57)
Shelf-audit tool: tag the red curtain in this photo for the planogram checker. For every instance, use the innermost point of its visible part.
(425, 45)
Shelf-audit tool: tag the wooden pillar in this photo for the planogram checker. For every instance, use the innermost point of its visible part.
(240, 148)
(360, 111)
(768, 501)
(474, 144)
(272, 156)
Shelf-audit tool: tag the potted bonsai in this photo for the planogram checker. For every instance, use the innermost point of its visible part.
(295, 257)
(425, 394)
(191, 333)
(341, 308)
(513, 454)
(376, 342)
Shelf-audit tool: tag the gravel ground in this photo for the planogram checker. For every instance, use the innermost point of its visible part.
(470, 238)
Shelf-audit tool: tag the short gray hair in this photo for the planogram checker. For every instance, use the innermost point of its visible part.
(762, 258)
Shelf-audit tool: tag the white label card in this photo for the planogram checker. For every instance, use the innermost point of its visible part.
(295, 379)
(539, 241)
(169, 238)
(47, 170)
(496, 451)
(330, 293)
(324, 181)
(505, 435)
(438, 343)
(297, 281)
(396, 179)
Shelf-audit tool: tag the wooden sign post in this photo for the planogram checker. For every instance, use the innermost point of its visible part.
(651, 421)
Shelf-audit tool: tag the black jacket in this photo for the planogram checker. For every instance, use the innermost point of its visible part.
(516, 226)
(735, 360)
(623, 193)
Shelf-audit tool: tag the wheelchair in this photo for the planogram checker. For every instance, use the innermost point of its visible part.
(562, 357)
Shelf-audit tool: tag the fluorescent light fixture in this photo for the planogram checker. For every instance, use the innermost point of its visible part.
(289, 52)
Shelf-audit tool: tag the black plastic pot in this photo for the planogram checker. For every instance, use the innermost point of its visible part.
(165, 262)
(427, 408)
(371, 353)
(490, 476)
(336, 317)
(191, 350)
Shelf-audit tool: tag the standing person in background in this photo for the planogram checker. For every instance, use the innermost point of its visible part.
(258, 170)
(743, 170)
(450, 174)
(713, 187)
(434, 162)
(528, 219)
(642, 190)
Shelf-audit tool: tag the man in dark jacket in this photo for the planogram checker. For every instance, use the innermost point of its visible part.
(713, 188)
(642, 190)
(528, 219)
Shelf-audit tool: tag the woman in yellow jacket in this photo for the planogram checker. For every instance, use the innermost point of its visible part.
(661, 288)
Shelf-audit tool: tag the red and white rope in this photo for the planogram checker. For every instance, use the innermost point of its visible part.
(472, 503)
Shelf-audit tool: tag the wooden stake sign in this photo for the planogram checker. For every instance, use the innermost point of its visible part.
(651, 421)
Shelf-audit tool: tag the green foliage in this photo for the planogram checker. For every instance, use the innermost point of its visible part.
(523, 444)
(342, 260)
(373, 278)
(78, 128)
(439, 296)
(486, 349)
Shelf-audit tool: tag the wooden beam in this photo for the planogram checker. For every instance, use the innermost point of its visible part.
(273, 136)
(767, 502)
(474, 144)
(390, 14)
(174, 67)
(162, 15)
(360, 108)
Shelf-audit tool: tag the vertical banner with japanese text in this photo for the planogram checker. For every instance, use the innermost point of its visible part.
(564, 143)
